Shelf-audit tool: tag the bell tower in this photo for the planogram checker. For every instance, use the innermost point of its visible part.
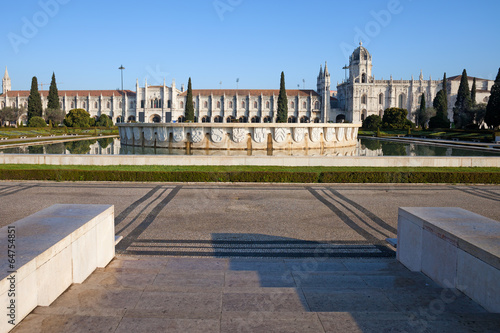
(360, 65)
(6, 82)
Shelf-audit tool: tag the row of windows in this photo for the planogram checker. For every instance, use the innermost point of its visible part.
(401, 100)
(244, 119)
(255, 105)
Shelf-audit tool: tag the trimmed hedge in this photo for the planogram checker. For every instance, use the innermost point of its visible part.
(257, 176)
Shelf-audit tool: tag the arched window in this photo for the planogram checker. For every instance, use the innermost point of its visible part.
(292, 119)
(131, 118)
(381, 99)
(108, 105)
(181, 119)
(340, 118)
(205, 119)
(292, 105)
(363, 78)
(363, 115)
(230, 119)
(243, 104)
(304, 105)
(268, 119)
(363, 99)
(402, 101)
(316, 105)
(84, 105)
(316, 120)
(205, 105)
(267, 105)
(218, 105)
(230, 104)
(218, 119)
(243, 119)
(95, 105)
(255, 105)
(181, 105)
(255, 119)
(304, 119)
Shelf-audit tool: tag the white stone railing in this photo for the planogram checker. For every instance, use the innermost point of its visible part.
(240, 135)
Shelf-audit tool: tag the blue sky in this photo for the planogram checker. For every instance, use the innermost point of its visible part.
(84, 42)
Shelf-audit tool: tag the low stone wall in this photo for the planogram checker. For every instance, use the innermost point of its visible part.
(327, 161)
(239, 135)
(454, 247)
(49, 251)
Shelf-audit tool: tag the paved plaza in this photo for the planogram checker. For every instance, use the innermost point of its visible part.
(254, 258)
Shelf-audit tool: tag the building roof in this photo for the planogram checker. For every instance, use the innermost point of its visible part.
(459, 78)
(72, 93)
(360, 53)
(252, 92)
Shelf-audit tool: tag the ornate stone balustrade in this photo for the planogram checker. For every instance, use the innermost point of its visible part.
(239, 135)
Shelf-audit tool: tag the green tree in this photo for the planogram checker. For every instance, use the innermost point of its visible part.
(473, 92)
(440, 104)
(34, 100)
(53, 98)
(421, 112)
(463, 103)
(492, 116)
(77, 118)
(37, 122)
(189, 113)
(56, 116)
(104, 121)
(372, 122)
(396, 118)
(282, 111)
(9, 114)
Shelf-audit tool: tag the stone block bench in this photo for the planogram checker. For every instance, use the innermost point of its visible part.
(454, 247)
(43, 254)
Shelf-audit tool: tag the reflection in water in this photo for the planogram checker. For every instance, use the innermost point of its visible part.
(365, 147)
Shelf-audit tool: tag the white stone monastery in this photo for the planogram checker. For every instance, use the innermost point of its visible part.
(356, 98)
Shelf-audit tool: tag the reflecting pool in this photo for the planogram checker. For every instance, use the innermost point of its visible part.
(364, 147)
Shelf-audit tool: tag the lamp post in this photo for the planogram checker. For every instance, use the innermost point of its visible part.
(121, 68)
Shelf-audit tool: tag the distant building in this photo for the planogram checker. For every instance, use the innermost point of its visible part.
(356, 98)
(361, 95)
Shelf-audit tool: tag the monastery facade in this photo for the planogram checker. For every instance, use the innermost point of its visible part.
(357, 97)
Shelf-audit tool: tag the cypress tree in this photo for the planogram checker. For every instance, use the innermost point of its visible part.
(189, 113)
(34, 100)
(282, 112)
(473, 92)
(492, 116)
(421, 111)
(53, 99)
(445, 89)
(463, 103)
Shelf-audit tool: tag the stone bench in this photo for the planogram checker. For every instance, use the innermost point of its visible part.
(54, 248)
(454, 247)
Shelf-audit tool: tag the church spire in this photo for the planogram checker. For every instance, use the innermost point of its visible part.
(6, 86)
(326, 69)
